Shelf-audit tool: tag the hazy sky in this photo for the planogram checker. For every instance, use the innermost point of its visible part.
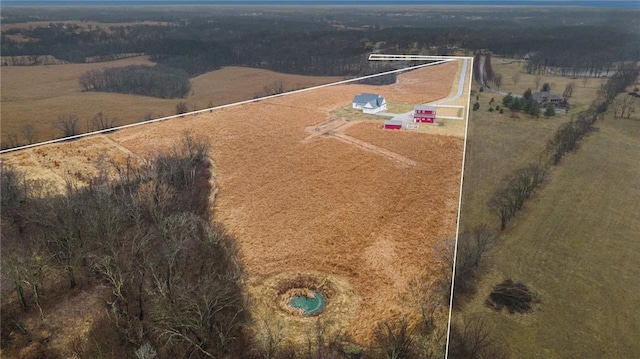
(633, 4)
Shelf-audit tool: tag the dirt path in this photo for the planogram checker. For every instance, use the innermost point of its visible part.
(337, 127)
(325, 128)
(121, 148)
(373, 148)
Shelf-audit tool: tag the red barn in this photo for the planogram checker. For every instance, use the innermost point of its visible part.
(392, 125)
(425, 114)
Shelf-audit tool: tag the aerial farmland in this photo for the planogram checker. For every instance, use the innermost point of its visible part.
(318, 198)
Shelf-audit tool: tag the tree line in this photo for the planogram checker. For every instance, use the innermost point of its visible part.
(291, 44)
(156, 81)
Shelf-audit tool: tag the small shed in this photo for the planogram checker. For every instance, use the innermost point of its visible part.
(424, 114)
(392, 125)
(369, 103)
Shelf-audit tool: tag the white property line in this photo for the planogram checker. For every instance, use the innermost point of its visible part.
(382, 57)
(449, 106)
(455, 247)
(390, 57)
(438, 61)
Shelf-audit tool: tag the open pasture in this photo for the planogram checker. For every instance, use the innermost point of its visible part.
(576, 245)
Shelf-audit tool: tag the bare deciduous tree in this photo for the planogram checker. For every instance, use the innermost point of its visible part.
(67, 125)
(13, 140)
(472, 248)
(488, 68)
(518, 187)
(393, 340)
(624, 105)
(515, 78)
(101, 122)
(472, 340)
(497, 80)
(476, 67)
(568, 91)
(537, 81)
(181, 107)
(30, 133)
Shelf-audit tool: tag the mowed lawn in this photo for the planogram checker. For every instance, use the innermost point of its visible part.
(577, 245)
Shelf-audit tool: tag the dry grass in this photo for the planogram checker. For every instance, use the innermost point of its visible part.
(233, 84)
(574, 243)
(499, 143)
(288, 325)
(75, 161)
(582, 94)
(576, 246)
(325, 205)
(38, 95)
(322, 205)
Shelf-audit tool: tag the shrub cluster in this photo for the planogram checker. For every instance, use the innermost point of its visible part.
(516, 297)
(526, 103)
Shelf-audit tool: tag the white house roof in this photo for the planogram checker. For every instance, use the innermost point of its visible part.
(369, 100)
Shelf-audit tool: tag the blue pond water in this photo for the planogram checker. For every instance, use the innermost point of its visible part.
(310, 306)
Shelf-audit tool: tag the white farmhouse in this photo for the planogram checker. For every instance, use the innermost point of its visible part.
(369, 103)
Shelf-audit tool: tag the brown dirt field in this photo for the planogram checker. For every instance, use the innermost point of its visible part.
(38, 95)
(323, 206)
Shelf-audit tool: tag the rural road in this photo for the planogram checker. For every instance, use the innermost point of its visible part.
(463, 77)
(408, 116)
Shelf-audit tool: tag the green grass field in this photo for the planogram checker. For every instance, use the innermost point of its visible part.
(498, 144)
(575, 243)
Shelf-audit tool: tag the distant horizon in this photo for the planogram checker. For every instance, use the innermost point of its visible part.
(614, 4)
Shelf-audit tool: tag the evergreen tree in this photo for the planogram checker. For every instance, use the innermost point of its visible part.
(507, 101)
(550, 111)
(534, 109)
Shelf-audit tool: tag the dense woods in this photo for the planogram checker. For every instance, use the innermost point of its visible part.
(322, 43)
(156, 81)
